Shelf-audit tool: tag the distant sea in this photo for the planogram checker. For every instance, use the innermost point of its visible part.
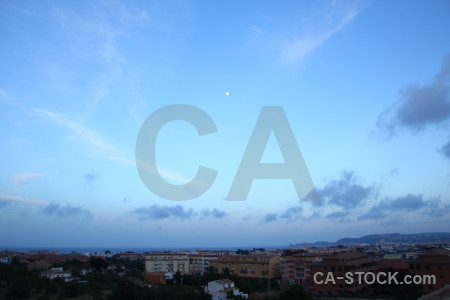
(83, 250)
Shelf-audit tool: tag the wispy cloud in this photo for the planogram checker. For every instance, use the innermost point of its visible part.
(25, 178)
(270, 217)
(12, 198)
(215, 213)
(101, 33)
(107, 150)
(159, 212)
(45, 207)
(257, 29)
(292, 213)
(6, 97)
(87, 135)
(166, 173)
(406, 204)
(65, 211)
(163, 212)
(333, 19)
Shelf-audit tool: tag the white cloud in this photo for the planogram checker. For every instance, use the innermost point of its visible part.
(5, 97)
(25, 178)
(167, 173)
(109, 151)
(21, 199)
(330, 22)
(257, 29)
(87, 135)
(97, 35)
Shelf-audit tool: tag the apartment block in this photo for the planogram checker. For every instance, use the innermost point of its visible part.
(338, 265)
(434, 262)
(250, 266)
(296, 269)
(167, 262)
(185, 263)
(198, 263)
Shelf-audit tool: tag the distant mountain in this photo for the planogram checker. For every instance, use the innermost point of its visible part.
(427, 237)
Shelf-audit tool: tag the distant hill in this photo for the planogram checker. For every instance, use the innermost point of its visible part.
(427, 237)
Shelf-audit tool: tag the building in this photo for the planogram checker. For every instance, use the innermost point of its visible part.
(442, 293)
(167, 262)
(337, 265)
(401, 266)
(434, 262)
(220, 289)
(199, 262)
(5, 259)
(130, 255)
(158, 277)
(173, 262)
(57, 273)
(250, 266)
(296, 269)
(39, 265)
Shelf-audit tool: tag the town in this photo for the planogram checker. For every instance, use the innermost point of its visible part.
(292, 273)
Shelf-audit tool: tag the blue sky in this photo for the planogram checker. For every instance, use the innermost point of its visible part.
(364, 84)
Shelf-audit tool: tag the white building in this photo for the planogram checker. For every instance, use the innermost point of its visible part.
(183, 262)
(5, 260)
(218, 289)
(57, 273)
(167, 262)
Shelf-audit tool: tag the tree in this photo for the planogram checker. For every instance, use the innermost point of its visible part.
(242, 252)
(97, 263)
(404, 291)
(211, 269)
(295, 292)
(226, 272)
(19, 287)
(210, 274)
(177, 277)
(124, 289)
(71, 290)
(15, 261)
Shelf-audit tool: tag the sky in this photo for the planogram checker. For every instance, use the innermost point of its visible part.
(364, 85)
